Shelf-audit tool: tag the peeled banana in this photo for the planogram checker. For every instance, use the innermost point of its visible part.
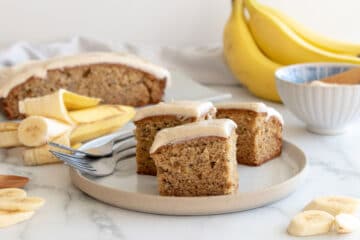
(8, 126)
(41, 155)
(334, 204)
(9, 134)
(312, 222)
(8, 218)
(9, 139)
(283, 45)
(35, 131)
(314, 38)
(245, 59)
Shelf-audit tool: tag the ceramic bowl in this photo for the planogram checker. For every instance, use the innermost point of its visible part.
(326, 109)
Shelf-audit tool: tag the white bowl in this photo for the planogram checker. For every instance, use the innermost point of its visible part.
(326, 109)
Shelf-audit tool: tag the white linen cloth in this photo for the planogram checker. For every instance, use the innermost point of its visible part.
(203, 64)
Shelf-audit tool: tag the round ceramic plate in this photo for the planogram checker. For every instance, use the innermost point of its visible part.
(258, 186)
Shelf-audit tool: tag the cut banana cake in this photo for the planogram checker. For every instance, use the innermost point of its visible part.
(115, 78)
(259, 130)
(196, 159)
(149, 120)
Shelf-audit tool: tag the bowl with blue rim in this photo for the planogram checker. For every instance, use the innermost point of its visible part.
(326, 109)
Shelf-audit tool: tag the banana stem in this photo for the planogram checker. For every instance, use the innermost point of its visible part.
(236, 7)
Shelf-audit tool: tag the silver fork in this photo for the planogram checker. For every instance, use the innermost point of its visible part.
(97, 167)
(104, 150)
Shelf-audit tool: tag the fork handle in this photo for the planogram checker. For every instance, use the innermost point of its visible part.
(124, 135)
(122, 155)
(123, 145)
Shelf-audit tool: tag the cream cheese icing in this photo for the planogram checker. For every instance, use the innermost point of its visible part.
(252, 106)
(178, 108)
(213, 127)
(12, 76)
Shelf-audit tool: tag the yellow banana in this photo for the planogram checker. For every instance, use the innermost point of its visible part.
(314, 38)
(245, 60)
(280, 43)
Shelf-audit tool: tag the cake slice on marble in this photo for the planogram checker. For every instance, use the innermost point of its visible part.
(149, 120)
(259, 130)
(196, 159)
(115, 78)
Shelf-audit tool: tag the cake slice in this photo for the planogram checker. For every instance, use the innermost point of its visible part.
(196, 159)
(259, 131)
(150, 120)
(115, 78)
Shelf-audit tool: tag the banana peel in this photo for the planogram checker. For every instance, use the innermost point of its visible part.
(56, 105)
(88, 131)
(75, 101)
(97, 113)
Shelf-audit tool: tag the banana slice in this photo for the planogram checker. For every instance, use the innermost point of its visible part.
(312, 222)
(346, 223)
(8, 218)
(334, 204)
(36, 131)
(12, 193)
(51, 106)
(21, 204)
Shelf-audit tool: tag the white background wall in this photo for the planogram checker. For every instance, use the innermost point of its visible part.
(158, 22)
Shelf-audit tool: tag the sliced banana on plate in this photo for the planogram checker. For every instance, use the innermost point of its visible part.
(312, 222)
(8, 218)
(334, 204)
(346, 223)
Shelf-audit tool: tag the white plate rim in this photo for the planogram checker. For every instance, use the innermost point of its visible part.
(206, 205)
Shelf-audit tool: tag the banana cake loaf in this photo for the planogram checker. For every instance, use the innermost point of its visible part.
(115, 78)
(259, 131)
(149, 120)
(196, 159)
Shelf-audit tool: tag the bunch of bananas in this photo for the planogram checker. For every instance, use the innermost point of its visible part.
(259, 39)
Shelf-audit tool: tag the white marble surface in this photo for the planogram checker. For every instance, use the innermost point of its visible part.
(69, 214)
